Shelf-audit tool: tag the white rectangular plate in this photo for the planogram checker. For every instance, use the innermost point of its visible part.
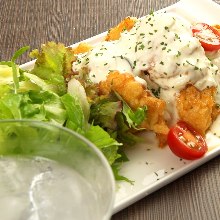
(151, 167)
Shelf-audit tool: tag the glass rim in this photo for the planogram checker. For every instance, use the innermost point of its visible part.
(88, 142)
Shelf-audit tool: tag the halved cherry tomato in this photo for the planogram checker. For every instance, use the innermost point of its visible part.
(208, 36)
(185, 142)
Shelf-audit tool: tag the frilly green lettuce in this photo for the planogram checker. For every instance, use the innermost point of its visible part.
(53, 63)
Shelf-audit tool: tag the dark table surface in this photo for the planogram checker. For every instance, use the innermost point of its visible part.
(195, 195)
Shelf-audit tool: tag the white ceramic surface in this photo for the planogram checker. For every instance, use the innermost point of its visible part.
(151, 167)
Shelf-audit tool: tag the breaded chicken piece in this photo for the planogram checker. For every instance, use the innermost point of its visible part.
(115, 33)
(197, 108)
(217, 27)
(136, 96)
(82, 48)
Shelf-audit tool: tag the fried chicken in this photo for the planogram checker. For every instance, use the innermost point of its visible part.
(82, 48)
(115, 33)
(197, 108)
(136, 96)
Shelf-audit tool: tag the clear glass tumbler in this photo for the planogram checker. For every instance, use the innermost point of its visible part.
(49, 172)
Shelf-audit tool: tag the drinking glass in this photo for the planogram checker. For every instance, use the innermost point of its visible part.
(50, 172)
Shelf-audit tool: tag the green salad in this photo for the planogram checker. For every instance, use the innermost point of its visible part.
(49, 93)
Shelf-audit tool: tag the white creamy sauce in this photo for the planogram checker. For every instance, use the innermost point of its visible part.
(214, 57)
(215, 129)
(162, 47)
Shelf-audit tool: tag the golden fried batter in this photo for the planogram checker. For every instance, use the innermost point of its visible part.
(217, 27)
(115, 33)
(197, 108)
(137, 96)
(82, 48)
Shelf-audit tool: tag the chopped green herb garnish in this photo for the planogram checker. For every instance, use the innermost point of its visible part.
(135, 63)
(141, 47)
(156, 92)
(165, 36)
(177, 36)
(97, 54)
(178, 54)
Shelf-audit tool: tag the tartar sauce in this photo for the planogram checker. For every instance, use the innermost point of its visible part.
(161, 49)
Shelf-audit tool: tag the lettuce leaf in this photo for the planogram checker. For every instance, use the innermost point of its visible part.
(124, 134)
(97, 135)
(133, 118)
(11, 103)
(44, 106)
(12, 71)
(52, 64)
(77, 90)
(33, 82)
(26, 96)
(114, 115)
(49, 105)
(104, 113)
(116, 169)
(18, 53)
(75, 117)
(104, 142)
(6, 75)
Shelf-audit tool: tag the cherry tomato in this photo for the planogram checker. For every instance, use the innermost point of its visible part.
(185, 142)
(208, 36)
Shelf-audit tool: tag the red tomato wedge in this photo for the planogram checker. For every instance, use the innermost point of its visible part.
(208, 36)
(185, 142)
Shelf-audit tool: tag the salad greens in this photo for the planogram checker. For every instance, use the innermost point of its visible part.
(44, 94)
(52, 64)
(133, 118)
